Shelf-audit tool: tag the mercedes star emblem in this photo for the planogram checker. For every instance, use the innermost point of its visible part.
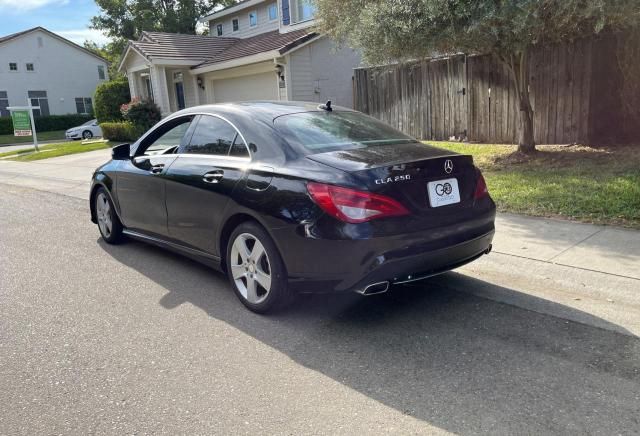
(448, 166)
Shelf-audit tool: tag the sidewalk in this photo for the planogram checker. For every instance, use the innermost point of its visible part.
(5, 148)
(68, 175)
(577, 271)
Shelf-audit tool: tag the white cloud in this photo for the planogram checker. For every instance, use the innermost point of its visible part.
(27, 5)
(79, 36)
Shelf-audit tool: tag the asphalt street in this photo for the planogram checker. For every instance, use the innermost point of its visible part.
(131, 339)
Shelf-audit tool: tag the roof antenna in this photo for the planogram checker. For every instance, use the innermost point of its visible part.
(326, 107)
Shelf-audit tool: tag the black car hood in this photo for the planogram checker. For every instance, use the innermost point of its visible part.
(357, 159)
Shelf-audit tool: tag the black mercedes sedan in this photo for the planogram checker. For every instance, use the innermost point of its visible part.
(288, 197)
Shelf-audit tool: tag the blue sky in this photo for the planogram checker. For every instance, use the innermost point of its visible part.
(68, 18)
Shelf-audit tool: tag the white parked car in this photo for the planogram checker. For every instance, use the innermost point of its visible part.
(88, 130)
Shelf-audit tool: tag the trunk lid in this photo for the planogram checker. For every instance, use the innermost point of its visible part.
(404, 171)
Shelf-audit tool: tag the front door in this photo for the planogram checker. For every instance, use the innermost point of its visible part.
(180, 95)
(140, 185)
(201, 180)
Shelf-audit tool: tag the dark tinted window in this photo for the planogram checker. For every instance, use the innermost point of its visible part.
(238, 149)
(166, 137)
(211, 136)
(323, 131)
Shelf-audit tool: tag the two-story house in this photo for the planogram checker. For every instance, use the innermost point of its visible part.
(49, 71)
(255, 50)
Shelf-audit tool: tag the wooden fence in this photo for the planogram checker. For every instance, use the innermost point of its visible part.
(473, 97)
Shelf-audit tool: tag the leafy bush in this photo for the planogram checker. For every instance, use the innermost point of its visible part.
(121, 131)
(6, 126)
(48, 123)
(143, 114)
(108, 99)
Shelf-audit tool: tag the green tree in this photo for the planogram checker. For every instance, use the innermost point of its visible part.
(109, 97)
(127, 19)
(392, 30)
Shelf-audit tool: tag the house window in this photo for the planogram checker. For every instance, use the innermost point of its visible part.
(13, 66)
(29, 67)
(219, 29)
(84, 105)
(39, 99)
(273, 11)
(253, 18)
(101, 75)
(304, 10)
(4, 104)
(235, 23)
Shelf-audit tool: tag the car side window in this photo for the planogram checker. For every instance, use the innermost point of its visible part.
(211, 135)
(166, 137)
(238, 149)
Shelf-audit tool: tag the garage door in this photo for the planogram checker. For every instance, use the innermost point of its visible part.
(263, 86)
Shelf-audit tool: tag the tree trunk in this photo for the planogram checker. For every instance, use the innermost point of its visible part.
(519, 67)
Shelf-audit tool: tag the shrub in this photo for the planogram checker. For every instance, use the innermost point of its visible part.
(121, 131)
(48, 123)
(143, 114)
(108, 99)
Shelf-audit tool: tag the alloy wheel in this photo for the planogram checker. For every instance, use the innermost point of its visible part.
(87, 135)
(103, 211)
(250, 268)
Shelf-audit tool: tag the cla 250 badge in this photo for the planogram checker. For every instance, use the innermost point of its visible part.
(401, 178)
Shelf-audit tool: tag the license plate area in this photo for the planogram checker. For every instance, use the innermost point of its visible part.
(443, 192)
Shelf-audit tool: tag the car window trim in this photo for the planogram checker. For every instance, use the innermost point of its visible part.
(194, 115)
(238, 133)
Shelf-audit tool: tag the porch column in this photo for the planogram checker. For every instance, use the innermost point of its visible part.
(160, 89)
(196, 89)
(133, 88)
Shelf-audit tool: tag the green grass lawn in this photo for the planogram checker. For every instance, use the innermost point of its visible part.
(42, 136)
(590, 184)
(55, 150)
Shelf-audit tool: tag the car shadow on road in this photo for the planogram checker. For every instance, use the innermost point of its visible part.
(459, 362)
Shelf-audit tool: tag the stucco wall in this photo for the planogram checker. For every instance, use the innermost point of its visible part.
(245, 31)
(319, 72)
(60, 69)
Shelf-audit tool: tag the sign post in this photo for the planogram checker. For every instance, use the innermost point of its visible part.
(23, 122)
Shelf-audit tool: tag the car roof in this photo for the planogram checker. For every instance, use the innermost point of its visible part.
(264, 109)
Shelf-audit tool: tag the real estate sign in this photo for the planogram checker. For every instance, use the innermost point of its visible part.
(21, 123)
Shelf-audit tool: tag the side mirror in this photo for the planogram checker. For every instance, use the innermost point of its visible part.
(121, 152)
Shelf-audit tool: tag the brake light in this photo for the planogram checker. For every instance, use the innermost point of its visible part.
(481, 187)
(353, 206)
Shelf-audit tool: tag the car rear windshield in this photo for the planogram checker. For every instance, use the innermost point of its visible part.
(318, 132)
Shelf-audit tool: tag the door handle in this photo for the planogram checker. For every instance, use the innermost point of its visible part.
(213, 176)
(157, 168)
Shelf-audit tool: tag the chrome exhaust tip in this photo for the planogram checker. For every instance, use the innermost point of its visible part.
(375, 288)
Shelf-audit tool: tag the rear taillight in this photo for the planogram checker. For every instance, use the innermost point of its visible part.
(353, 206)
(481, 187)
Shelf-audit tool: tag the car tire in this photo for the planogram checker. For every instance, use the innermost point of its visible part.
(87, 134)
(108, 222)
(252, 268)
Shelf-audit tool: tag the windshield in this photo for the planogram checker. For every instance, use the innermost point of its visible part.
(88, 123)
(318, 132)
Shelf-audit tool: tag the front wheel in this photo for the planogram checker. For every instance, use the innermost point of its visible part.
(256, 270)
(108, 221)
(87, 134)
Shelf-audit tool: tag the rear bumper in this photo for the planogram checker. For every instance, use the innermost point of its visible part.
(320, 265)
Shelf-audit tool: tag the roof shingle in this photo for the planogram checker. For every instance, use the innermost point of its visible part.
(264, 42)
(207, 50)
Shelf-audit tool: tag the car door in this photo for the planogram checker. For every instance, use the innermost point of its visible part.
(140, 186)
(201, 180)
